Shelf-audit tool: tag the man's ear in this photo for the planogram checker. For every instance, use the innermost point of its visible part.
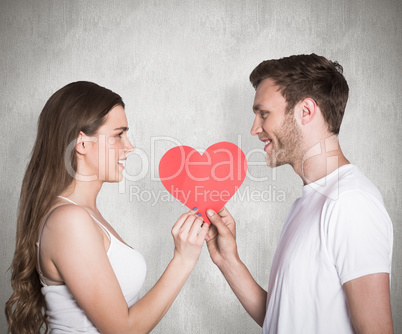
(82, 141)
(308, 110)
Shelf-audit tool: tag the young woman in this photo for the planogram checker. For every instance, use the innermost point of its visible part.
(69, 261)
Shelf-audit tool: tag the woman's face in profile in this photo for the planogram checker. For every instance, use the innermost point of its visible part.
(109, 147)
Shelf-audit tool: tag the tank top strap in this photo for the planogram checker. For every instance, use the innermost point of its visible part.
(96, 221)
(44, 280)
(67, 199)
(108, 234)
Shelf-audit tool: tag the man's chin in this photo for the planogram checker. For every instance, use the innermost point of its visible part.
(273, 164)
(276, 158)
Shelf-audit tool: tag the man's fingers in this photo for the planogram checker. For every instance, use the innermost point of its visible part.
(228, 220)
(212, 232)
(217, 221)
(224, 213)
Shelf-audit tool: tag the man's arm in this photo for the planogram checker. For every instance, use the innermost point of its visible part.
(369, 304)
(221, 242)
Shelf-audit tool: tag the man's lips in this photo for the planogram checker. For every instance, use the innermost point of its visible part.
(266, 141)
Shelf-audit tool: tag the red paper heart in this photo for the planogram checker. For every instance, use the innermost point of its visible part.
(205, 181)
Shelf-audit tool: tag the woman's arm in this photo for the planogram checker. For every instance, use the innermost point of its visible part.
(74, 245)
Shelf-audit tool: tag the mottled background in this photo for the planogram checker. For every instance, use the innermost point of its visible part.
(182, 68)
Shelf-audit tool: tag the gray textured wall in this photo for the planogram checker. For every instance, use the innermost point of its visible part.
(182, 68)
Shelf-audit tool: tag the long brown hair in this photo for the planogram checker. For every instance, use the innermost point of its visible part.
(313, 76)
(79, 106)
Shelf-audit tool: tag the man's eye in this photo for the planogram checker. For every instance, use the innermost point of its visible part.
(264, 115)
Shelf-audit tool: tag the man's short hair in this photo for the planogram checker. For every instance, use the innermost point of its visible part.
(302, 76)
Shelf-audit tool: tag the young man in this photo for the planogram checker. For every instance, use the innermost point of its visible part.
(331, 270)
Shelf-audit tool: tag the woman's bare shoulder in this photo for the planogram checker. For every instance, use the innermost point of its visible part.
(70, 217)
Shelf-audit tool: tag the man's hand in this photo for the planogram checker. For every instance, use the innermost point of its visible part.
(221, 242)
(221, 237)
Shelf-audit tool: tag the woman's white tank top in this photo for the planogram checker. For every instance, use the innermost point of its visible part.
(64, 314)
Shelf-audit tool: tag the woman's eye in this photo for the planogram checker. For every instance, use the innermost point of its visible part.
(119, 134)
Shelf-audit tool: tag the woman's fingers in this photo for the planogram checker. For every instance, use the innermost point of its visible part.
(188, 223)
(202, 234)
(190, 226)
(195, 227)
(182, 219)
(179, 223)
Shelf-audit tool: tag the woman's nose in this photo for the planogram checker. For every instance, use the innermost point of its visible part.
(129, 147)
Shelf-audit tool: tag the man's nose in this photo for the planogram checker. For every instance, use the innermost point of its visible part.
(256, 128)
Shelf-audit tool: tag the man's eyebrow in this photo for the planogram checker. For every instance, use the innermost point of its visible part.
(258, 107)
(124, 128)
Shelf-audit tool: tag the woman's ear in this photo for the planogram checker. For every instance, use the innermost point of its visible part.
(308, 110)
(82, 139)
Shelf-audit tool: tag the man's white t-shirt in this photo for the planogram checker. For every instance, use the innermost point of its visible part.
(337, 231)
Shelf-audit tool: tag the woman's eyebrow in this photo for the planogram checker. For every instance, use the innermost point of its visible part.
(124, 128)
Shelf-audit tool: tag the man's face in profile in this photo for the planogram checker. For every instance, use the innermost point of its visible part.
(273, 126)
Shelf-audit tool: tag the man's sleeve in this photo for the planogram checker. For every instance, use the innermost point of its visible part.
(359, 236)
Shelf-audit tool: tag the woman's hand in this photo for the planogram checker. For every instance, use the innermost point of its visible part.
(189, 233)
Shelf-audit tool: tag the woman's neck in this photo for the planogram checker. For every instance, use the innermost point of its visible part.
(83, 193)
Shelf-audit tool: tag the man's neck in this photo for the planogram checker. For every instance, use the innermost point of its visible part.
(320, 160)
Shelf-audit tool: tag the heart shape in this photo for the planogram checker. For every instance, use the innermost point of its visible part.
(205, 181)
